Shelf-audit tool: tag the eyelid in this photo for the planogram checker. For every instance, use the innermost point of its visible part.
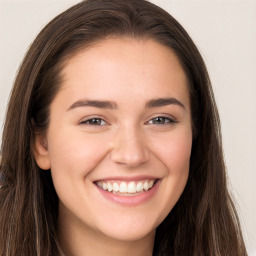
(171, 119)
(89, 118)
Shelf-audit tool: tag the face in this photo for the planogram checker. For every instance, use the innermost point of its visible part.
(119, 138)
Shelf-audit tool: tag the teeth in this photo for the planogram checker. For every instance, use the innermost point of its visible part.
(126, 187)
(145, 186)
(115, 187)
(139, 187)
(110, 188)
(131, 187)
(123, 187)
(150, 184)
(104, 186)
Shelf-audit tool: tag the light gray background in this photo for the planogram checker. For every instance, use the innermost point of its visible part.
(225, 33)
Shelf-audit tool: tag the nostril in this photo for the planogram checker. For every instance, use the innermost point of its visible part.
(129, 148)
(128, 158)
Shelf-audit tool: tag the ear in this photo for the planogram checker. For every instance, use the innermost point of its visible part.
(40, 152)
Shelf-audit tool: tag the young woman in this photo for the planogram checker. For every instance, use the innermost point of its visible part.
(112, 142)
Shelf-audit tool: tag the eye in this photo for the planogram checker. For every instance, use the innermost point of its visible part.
(162, 120)
(94, 121)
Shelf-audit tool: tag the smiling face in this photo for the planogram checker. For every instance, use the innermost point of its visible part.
(119, 139)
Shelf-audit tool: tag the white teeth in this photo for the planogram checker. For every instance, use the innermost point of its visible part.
(132, 187)
(104, 186)
(110, 188)
(139, 187)
(123, 187)
(145, 186)
(115, 187)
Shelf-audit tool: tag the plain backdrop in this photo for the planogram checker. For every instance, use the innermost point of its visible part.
(225, 33)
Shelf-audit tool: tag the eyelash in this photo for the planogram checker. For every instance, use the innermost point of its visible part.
(96, 120)
(167, 120)
(87, 122)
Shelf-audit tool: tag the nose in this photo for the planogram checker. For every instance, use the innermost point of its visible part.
(130, 149)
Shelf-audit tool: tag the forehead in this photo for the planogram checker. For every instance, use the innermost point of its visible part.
(131, 50)
(125, 64)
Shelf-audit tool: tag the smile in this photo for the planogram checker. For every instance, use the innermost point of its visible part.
(126, 188)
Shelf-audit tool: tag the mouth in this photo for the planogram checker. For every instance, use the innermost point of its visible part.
(126, 188)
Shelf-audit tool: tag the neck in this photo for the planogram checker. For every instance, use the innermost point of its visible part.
(77, 239)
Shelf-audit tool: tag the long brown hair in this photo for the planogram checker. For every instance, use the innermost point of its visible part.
(203, 222)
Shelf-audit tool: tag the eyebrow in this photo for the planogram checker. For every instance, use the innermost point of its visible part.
(163, 102)
(159, 102)
(93, 103)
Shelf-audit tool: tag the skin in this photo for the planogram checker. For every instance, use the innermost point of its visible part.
(127, 141)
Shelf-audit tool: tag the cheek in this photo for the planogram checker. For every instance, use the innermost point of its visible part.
(174, 151)
(74, 153)
(73, 157)
(179, 153)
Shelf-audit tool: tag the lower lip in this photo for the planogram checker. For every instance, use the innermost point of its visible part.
(132, 200)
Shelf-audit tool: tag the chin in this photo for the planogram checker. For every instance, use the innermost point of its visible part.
(127, 232)
(130, 235)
